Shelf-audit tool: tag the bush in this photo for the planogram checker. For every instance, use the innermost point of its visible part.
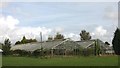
(88, 52)
(38, 52)
(19, 52)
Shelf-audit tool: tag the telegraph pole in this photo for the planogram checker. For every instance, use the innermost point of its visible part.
(41, 38)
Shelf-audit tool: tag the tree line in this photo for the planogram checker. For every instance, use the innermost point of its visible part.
(24, 41)
(7, 43)
(84, 36)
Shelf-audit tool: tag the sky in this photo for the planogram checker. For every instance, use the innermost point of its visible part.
(18, 19)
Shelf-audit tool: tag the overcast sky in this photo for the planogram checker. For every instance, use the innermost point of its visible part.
(69, 18)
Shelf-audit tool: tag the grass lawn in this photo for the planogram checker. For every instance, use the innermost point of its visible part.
(61, 61)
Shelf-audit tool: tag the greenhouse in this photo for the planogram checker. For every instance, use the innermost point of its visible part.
(58, 47)
(64, 47)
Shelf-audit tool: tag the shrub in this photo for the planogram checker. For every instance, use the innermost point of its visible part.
(87, 52)
(19, 52)
(38, 52)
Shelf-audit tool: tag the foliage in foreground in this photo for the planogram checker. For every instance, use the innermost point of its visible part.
(116, 42)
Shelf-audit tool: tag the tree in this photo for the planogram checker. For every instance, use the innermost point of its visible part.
(116, 42)
(24, 40)
(6, 47)
(30, 40)
(18, 42)
(59, 36)
(85, 35)
(34, 40)
(50, 38)
(107, 43)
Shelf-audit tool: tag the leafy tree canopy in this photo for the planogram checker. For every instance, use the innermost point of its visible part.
(24, 41)
(85, 35)
(50, 38)
(59, 36)
(107, 43)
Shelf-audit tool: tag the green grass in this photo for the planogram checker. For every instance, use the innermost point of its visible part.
(65, 61)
